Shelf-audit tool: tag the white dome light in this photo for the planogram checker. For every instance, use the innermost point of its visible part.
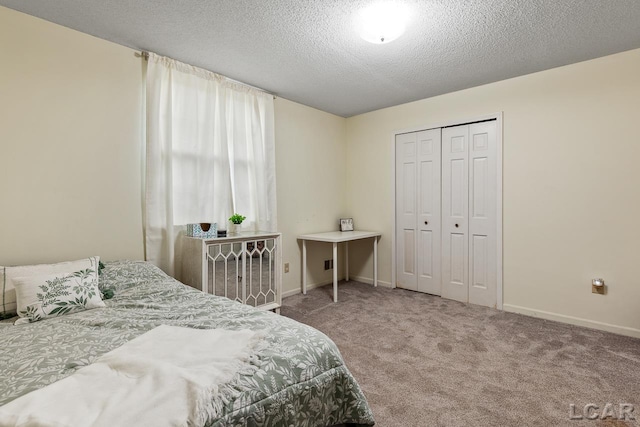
(383, 22)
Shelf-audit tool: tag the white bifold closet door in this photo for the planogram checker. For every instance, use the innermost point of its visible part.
(446, 196)
(483, 221)
(418, 211)
(455, 207)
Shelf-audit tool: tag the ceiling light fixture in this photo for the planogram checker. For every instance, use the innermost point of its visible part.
(383, 22)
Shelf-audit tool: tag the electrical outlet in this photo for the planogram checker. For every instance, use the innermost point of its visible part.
(328, 264)
(286, 267)
(598, 287)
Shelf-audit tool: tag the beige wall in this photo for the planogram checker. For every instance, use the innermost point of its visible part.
(70, 152)
(71, 145)
(571, 177)
(311, 173)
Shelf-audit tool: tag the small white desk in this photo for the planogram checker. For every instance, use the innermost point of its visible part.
(336, 237)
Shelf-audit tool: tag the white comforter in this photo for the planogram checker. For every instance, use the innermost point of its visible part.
(168, 376)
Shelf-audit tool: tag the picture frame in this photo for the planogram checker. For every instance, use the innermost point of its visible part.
(346, 224)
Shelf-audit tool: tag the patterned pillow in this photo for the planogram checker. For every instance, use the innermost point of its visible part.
(8, 305)
(56, 294)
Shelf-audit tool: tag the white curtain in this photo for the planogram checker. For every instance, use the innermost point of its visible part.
(210, 153)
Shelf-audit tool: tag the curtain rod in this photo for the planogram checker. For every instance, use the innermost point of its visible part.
(145, 55)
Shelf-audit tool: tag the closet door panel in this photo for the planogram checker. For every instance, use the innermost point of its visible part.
(455, 208)
(458, 246)
(406, 210)
(427, 270)
(429, 216)
(457, 187)
(482, 214)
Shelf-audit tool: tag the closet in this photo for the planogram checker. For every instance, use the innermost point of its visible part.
(447, 212)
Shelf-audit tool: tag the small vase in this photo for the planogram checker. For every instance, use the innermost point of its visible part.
(233, 228)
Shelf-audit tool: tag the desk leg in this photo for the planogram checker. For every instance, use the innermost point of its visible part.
(375, 261)
(335, 272)
(304, 267)
(346, 261)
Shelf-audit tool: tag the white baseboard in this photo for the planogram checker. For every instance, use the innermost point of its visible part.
(369, 281)
(622, 330)
(291, 292)
(297, 291)
(366, 280)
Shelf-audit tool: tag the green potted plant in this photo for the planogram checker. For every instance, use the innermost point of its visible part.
(236, 219)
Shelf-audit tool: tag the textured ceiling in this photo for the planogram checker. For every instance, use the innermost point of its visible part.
(309, 51)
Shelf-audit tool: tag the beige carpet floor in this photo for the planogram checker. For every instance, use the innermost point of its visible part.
(427, 361)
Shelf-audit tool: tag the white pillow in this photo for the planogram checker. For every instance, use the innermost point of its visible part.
(8, 300)
(56, 294)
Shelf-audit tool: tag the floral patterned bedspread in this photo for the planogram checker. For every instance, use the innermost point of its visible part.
(298, 377)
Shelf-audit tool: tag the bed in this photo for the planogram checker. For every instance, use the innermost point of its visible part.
(298, 378)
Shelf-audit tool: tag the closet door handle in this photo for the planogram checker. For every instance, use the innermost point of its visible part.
(426, 223)
(456, 225)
